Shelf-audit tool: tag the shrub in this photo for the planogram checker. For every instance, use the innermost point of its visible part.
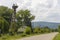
(46, 29)
(59, 28)
(23, 35)
(27, 30)
(37, 30)
(42, 30)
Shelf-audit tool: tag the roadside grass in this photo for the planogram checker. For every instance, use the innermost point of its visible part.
(8, 37)
(57, 37)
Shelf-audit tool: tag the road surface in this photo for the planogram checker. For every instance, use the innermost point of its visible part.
(48, 36)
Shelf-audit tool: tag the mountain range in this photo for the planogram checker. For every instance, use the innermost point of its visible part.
(43, 24)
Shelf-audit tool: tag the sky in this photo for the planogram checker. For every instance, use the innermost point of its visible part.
(44, 10)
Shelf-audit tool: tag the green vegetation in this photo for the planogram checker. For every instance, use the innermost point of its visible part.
(42, 30)
(59, 28)
(23, 18)
(37, 30)
(27, 30)
(57, 37)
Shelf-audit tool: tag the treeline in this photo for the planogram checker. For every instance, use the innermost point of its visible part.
(23, 18)
(36, 30)
(45, 29)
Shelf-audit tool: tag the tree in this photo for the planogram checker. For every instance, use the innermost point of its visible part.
(6, 13)
(27, 17)
(3, 25)
(23, 17)
(5, 18)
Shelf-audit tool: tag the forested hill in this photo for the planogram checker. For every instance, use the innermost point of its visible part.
(43, 24)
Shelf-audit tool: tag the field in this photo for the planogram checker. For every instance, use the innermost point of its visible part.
(57, 37)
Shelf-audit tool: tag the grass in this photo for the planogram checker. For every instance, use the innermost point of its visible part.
(8, 37)
(57, 37)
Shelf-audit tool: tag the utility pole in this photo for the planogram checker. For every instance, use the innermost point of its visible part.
(14, 14)
(13, 19)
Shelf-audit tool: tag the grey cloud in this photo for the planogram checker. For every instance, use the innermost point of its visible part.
(26, 5)
(43, 8)
(19, 1)
(58, 2)
(50, 3)
(54, 15)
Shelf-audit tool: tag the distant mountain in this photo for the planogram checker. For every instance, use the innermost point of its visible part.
(43, 24)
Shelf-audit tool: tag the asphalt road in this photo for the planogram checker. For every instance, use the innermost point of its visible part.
(48, 36)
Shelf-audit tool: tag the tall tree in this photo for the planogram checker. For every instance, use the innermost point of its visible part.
(26, 17)
(6, 13)
(5, 18)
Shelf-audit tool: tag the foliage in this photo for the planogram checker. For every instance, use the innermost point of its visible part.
(27, 30)
(5, 18)
(37, 30)
(59, 28)
(13, 28)
(46, 29)
(3, 25)
(23, 35)
(42, 30)
(6, 13)
(25, 18)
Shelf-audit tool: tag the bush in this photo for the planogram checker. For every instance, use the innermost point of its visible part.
(37, 30)
(46, 29)
(42, 30)
(59, 28)
(23, 35)
(27, 30)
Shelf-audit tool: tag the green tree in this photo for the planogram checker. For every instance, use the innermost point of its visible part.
(27, 17)
(6, 13)
(5, 18)
(4, 25)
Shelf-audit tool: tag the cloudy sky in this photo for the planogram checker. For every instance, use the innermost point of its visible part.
(44, 10)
